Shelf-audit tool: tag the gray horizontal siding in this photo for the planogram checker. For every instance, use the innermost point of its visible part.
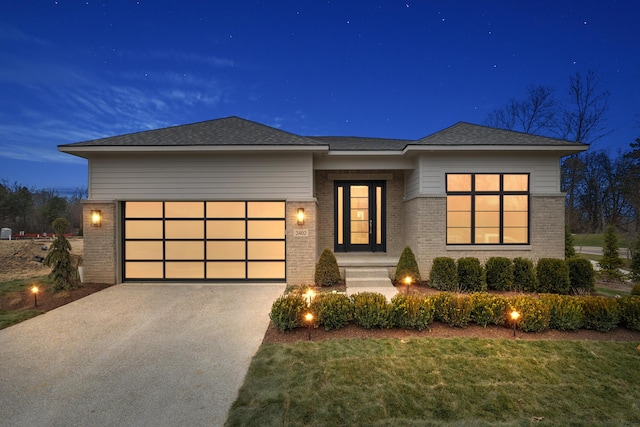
(201, 177)
(544, 169)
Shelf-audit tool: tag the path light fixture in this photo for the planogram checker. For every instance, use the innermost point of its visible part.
(515, 316)
(34, 291)
(300, 216)
(309, 319)
(408, 281)
(309, 295)
(96, 218)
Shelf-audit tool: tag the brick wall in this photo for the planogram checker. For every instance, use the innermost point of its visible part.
(100, 243)
(301, 248)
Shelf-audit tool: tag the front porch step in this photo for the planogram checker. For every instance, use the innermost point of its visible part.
(369, 279)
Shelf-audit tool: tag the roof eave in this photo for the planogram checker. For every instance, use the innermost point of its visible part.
(86, 150)
(568, 149)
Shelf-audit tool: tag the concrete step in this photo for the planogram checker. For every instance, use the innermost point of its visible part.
(369, 282)
(366, 273)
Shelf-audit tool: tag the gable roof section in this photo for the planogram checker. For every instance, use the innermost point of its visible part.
(227, 132)
(355, 143)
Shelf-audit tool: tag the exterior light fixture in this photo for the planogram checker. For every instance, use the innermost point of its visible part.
(300, 216)
(309, 296)
(96, 218)
(34, 291)
(407, 281)
(515, 316)
(309, 318)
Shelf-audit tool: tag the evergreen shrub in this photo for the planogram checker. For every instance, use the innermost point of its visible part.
(567, 312)
(488, 309)
(635, 290)
(582, 276)
(63, 273)
(444, 274)
(635, 262)
(553, 276)
(499, 273)
(524, 276)
(407, 267)
(453, 309)
(534, 313)
(371, 310)
(327, 272)
(630, 312)
(332, 310)
(471, 275)
(611, 262)
(601, 313)
(412, 311)
(287, 312)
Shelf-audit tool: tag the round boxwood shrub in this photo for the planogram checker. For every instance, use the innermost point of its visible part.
(630, 312)
(534, 314)
(412, 311)
(287, 311)
(471, 275)
(553, 276)
(407, 267)
(444, 274)
(371, 310)
(524, 276)
(635, 290)
(567, 312)
(488, 309)
(601, 313)
(582, 276)
(453, 309)
(499, 273)
(331, 310)
(327, 272)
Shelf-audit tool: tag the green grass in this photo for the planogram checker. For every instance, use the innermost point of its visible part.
(19, 285)
(11, 317)
(441, 382)
(596, 239)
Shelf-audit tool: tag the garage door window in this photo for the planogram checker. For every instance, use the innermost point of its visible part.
(204, 240)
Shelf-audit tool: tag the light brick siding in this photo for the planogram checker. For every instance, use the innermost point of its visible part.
(324, 182)
(301, 250)
(100, 265)
(425, 232)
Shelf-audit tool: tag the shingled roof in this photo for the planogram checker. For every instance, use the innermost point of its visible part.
(220, 132)
(355, 143)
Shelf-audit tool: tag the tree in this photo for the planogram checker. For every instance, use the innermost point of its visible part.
(631, 180)
(635, 261)
(535, 114)
(569, 250)
(407, 267)
(63, 273)
(611, 262)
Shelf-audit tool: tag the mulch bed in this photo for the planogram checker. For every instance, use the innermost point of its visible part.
(47, 299)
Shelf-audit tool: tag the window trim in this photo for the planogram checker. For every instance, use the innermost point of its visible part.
(501, 193)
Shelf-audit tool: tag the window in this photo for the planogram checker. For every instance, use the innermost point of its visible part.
(487, 209)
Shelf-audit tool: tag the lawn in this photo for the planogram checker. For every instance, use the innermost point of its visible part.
(11, 295)
(597, 239)
(448, 382)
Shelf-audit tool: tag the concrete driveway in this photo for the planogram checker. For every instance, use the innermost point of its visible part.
(134, 355)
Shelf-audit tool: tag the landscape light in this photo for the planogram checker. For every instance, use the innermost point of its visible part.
(309, 318)
(34, 291)
(515, 316)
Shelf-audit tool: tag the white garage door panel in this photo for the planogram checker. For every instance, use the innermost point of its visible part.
(204, 240)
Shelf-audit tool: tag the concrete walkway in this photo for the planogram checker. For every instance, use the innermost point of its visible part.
(134, 355)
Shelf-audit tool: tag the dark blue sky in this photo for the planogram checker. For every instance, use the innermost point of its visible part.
(77, 70)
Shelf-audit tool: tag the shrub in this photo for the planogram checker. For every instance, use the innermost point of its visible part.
(534, 314)
(569, 250)
(471, 275)
(444, 274)
(453, 309)
(499, 273)
(553, 276)
(407, 267)
(488, 309)
(635, 290)
(332, 310)
(611, 262)
(287, 311)
(567, 312)
(581, 274)
(371, 310)
(327, 272)
(601, 313)
(63, 273)
(412, 311)
(524, 277)
(630, 312)
(635, 262)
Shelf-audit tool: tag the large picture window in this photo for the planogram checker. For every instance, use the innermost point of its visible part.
(487, 209)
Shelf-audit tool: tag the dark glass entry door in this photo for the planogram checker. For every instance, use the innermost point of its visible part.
(360, 216)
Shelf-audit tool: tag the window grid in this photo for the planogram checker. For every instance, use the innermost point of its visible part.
(483, 221)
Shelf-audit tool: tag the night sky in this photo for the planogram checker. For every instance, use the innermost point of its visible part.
(72, 71)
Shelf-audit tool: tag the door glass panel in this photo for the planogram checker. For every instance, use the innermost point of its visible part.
(265, 229)
(265, 270)
(143, 210)
(144, 230)
(225, 209)
(184, 250)
(359, 215)
(184, 210)
(144, 250)
(226, 270)
(226, 250)
(144, 270)
(378, 215)
(265, 210)
(340, 217)
(234, 229)
(175, 229)
(266, 250)
(184, 270)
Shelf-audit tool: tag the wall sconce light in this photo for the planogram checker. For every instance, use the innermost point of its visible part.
(96, 218)
(300, 216)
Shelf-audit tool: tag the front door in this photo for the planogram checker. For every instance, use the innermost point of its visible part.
(360, 216)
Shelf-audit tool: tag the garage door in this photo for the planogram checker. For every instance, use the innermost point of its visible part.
(204, 240)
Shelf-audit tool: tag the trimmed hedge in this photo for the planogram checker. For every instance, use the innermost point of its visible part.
(327, 272)
(635, 290)
(630, 312)
(471, 275)
(371, 310)
(453, 309)
(488, 309)
(553, 276)
(407, 267)
(287, 311)
(567, 312)
(444, 274)
(524, 276)
(331, 310)
(601, 313)
(412, 311)
(582, 276)
(499, 273)
(535, 315)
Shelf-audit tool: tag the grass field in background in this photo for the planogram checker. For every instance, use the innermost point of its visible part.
(448, 382)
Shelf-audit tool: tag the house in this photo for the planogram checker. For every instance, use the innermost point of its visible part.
(234, 200)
